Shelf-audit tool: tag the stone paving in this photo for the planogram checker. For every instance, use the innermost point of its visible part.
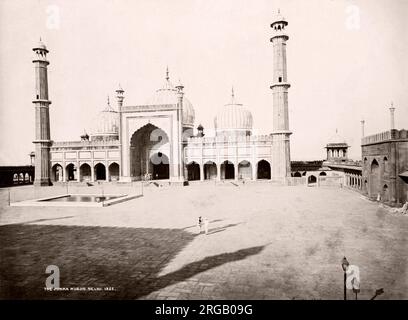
(265, 242)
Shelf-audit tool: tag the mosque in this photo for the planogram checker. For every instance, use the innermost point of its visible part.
(156, 140)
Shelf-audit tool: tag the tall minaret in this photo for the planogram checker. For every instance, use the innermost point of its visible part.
(119, 98)
(42, 118)
(281, 133)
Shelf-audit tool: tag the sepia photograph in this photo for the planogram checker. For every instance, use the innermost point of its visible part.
(226, 151)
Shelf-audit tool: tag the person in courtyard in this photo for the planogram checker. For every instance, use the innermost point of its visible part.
(353, 277)
(200, 224)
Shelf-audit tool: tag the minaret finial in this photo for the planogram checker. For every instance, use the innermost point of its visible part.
(108, 101)
(232, 92)
(167, 73)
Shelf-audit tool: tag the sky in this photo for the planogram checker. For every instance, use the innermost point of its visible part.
(347, 60)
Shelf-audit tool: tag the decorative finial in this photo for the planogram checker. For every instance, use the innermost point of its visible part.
(167, 73)
(278, 10)
(336, 130)
(108, 101)
(232, 92)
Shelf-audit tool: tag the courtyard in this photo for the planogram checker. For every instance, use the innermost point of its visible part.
(264, 242)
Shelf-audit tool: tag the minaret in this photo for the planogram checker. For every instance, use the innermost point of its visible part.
(180, 94)
(392, 122)
(42, 118)
(280, 85)
(119, 98)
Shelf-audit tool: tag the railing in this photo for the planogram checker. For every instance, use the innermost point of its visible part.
(385, 136)
(235, 139)
(85, 143)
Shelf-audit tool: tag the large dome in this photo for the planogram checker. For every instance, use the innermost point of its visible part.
(233, 119)
(167, 94)
(106, 124)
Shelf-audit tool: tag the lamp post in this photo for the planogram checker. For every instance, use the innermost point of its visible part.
(344, 265)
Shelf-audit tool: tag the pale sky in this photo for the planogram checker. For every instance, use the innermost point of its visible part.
(347, 60)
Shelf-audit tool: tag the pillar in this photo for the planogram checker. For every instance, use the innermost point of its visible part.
(42, 119)
(92, 173)
(78, 172)
(119, 98)
(281, 134)
(201, 172)
(392, 110)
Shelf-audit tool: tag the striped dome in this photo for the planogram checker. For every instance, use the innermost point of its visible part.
(167, 94)
(233, 119)
(106, 123)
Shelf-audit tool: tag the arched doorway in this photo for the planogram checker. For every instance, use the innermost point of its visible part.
(264, 170)
(70, 172)
(193, 171)
(100, 172)
(311, 179)
(146, 143)
(56, 172)
(227, 170)
(244, 170)
(114, 171)
(374, 179)
(159, 164)
(85, 172)
(385, 195)
(322, 173)
(210, 170)
(297, 174)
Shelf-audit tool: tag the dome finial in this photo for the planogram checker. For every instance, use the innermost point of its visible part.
(167, 73)
(108, 101)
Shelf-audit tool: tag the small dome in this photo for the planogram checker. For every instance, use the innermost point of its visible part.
(106, 123)
(167, 94)
(336, 139)
(233, 118)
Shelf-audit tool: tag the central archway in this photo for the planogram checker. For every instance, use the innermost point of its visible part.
(146, 144)
(193, 171)
(374, 178)
(159, 163)
(245, 170)
(210, 170)
(264, 170)
(100, 171)
(227, 170)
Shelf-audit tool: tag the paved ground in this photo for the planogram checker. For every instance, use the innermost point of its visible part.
(265, 242)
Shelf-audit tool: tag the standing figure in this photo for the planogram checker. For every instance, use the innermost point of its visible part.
(200, 224)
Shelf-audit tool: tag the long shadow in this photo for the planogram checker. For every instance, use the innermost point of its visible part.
(41, 220)
(223, 228)
(127, 259)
